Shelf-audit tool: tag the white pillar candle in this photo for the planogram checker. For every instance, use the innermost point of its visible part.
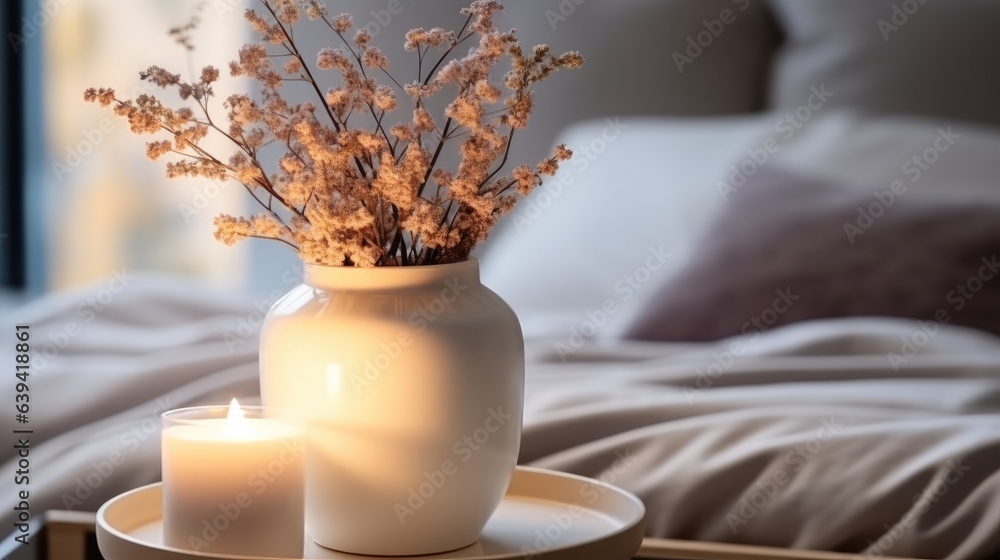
(232, 482)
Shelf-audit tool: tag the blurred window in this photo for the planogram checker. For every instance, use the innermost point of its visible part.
(104, 207)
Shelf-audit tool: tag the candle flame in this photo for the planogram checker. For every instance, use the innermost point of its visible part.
(333, 379)
(235, 415)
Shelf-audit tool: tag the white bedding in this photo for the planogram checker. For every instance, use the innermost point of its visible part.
(637, 185)
(692, 442)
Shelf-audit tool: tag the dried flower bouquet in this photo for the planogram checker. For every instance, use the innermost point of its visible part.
(342, 193)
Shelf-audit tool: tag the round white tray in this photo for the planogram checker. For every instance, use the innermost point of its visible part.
(545, 515)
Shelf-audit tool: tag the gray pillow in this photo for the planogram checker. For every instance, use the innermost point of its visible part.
(917, 57)
(788, 249)
(640, 60)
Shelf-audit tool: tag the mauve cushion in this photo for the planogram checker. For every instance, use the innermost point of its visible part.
(788, 249)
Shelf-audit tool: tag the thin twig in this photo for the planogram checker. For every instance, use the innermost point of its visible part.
(457, 42)
(295, 52)
(503, 162)
(434, 160)
(285, 241)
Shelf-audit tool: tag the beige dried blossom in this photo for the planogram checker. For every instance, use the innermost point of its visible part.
(229, 229)
(563, 153)
(259, 24)
(385, 98)
(483, 12)
(103, 96)
(423, 121)
(404, 133)
(487, 91)
(332, 59)
(269, 32)
(526, 179)
(156, 150)
(338, 98)
(414, 39)
(419, 37)
(399, 182)
(287, 11)
(315, 9)
(418, 91)
(467, 110)
(209, 74)
(548, 167)
(375, 58)
(346, 193)
(453, 73)
(343, 23)
(362, 38)
(293, 66)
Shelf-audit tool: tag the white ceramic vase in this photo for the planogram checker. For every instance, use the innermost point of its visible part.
(411, 380)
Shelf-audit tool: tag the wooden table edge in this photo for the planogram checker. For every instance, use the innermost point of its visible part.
(669, 549)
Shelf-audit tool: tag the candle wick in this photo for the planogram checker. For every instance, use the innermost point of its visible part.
(234, 418)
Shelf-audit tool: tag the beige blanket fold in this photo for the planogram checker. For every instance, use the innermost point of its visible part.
(874, 436)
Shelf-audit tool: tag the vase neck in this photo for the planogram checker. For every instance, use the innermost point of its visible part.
(390, 277)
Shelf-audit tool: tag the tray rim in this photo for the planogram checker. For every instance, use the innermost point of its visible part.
(104, 528)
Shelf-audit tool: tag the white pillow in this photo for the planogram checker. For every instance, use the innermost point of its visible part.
(634, 190)
(933, 156)
(642, 185)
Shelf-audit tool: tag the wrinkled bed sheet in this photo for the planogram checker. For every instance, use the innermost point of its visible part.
(866, 435)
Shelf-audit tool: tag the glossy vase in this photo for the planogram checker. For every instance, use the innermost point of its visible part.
(411, 384)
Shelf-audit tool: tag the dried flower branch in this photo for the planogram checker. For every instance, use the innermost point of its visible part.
(349, 195)
(182, 34)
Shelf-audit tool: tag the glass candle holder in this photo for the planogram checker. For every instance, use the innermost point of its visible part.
(233, 481)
